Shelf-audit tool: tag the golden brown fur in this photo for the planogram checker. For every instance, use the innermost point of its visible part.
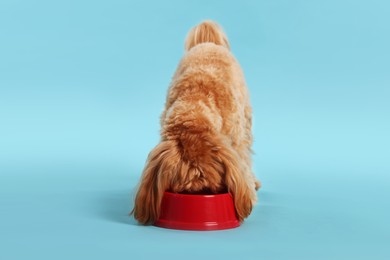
(206, 133)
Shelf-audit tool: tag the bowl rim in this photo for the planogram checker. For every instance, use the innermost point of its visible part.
(197, 195)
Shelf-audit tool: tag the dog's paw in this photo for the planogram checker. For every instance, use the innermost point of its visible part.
(257, 184)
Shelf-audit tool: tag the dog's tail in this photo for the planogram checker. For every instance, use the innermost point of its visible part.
(192, 162)
(207, 31)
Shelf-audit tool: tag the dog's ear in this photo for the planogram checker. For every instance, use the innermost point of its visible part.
(155, 181)
(207, 31)
(243, 194)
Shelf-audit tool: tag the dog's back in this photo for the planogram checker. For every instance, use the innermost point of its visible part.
(202, 88)
(210, 83)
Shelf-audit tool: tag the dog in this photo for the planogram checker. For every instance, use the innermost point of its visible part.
(206, 135)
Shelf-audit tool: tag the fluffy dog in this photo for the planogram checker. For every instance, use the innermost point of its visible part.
(206, 133)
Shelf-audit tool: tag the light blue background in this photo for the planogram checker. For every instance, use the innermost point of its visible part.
(82, 86)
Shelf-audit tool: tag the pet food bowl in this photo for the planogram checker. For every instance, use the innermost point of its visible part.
(197, 212)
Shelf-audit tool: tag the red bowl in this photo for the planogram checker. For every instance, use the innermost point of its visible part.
(197, 212)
